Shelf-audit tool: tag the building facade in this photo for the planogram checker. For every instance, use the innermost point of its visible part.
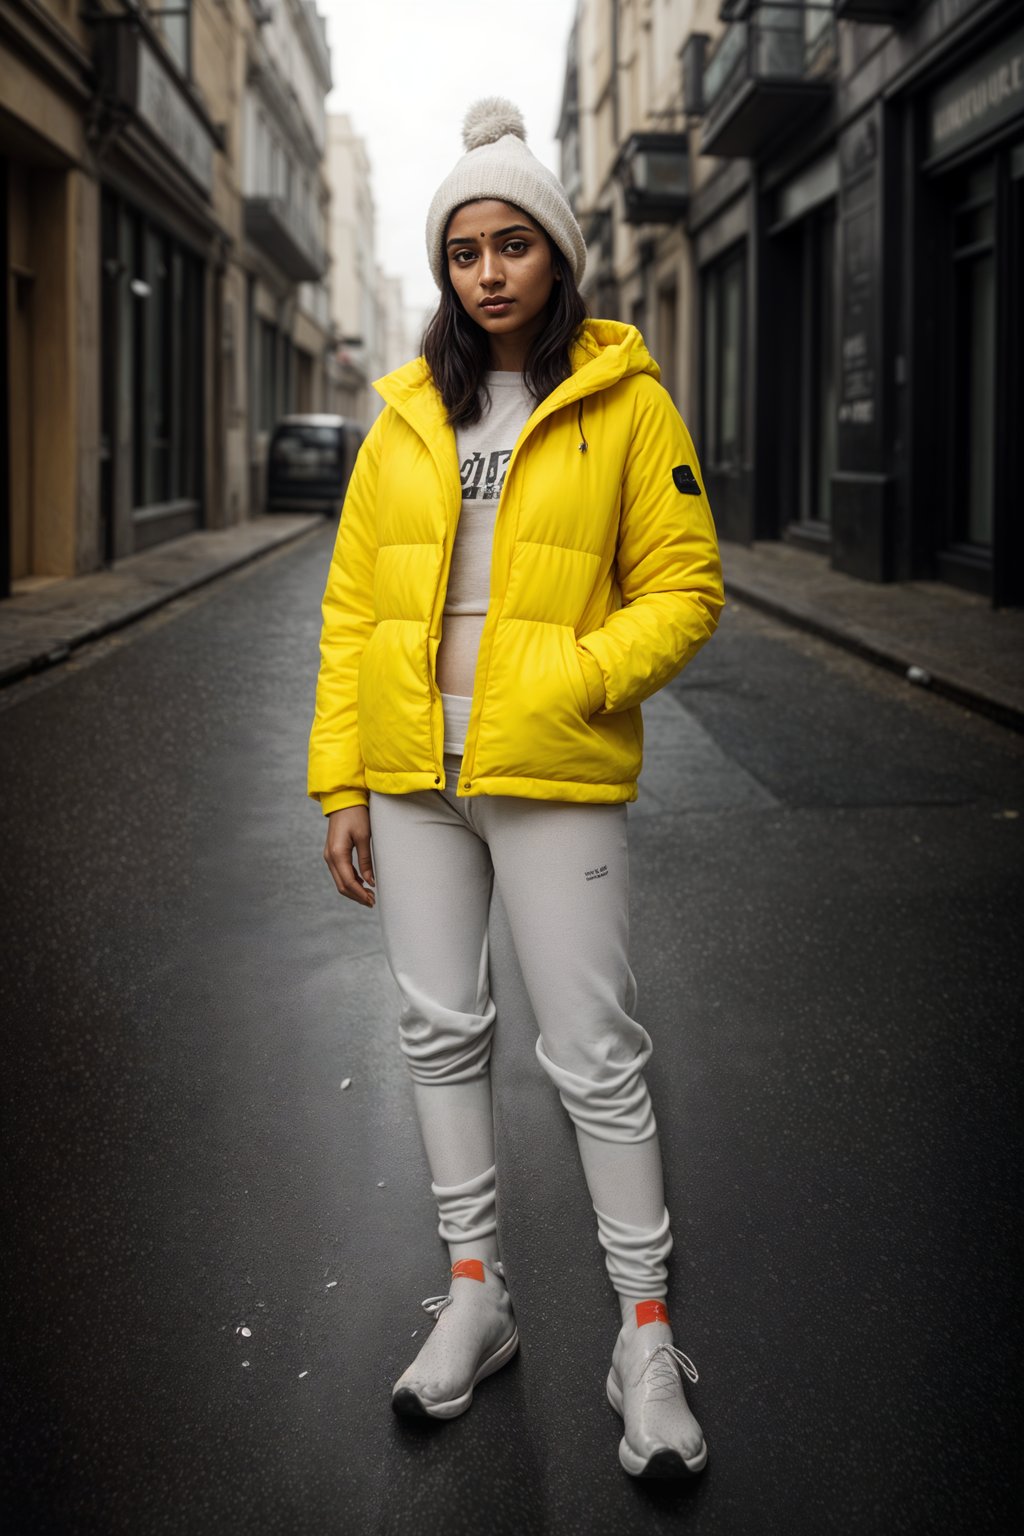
(399, 340)
(353, 249)
(286, 202)
(137, 230)
(850, 286)
(623, 116)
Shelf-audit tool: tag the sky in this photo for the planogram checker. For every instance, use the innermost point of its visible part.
(406, 70)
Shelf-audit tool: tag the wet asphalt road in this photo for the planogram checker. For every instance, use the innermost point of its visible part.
(827, 887)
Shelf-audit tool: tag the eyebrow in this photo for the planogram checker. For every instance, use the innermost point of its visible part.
(511, 230)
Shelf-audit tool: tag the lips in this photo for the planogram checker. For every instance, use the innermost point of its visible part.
(497, 306)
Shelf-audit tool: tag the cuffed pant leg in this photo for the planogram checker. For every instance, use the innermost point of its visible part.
(563, 875)
(434, 886)
(627, 1187)
(466, 1211)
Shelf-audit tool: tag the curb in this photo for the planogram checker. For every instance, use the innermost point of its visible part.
(142, 607)
(958, 690)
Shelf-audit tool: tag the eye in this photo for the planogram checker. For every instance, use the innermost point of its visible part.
(515, 247)
(462, 258)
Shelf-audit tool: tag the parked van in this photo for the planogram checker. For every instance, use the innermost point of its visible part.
(309, 463)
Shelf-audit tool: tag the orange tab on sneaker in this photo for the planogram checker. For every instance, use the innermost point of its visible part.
(651, 1312)
(468, 1269)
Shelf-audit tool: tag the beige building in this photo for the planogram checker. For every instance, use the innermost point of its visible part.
(353, 284)
(163, 290)
(286, 215)
(399, 338)
(374, 331)
(627, 164)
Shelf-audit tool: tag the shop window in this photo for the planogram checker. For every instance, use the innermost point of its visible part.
(724, 343)
(818, 367)
(973, 371)
(164, 346)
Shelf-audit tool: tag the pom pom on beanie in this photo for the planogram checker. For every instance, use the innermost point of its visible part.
(497, 164)
(491, 119)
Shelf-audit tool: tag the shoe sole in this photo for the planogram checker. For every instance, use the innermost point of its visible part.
(661, 1463)
(411, 1406)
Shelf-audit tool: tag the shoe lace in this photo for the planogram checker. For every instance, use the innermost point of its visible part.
(667, 1362)
(435, 1305)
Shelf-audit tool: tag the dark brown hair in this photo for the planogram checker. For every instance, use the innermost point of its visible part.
(458, 353)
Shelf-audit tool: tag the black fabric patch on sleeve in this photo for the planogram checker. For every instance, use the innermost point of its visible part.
(685, 480)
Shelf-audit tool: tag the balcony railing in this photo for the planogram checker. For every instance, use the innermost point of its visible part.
(282, 234)
(770, 72)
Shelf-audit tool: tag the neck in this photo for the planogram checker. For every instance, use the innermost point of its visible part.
(509, 353)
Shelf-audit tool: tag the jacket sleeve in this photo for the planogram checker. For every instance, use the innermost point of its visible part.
(336, 774)
(667, 565)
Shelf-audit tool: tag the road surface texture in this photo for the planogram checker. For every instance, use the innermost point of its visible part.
(826, 885)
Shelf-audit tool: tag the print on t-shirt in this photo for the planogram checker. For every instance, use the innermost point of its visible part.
(483, 476)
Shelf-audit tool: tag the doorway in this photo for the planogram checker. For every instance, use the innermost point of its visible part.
(807, 364)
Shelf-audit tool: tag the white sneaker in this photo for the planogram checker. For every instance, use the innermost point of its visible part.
(474, 1335)
(645, 1387)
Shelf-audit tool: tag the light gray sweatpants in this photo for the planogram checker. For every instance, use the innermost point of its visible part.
(562, 873)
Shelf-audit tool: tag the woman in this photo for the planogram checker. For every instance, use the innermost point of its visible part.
(525, 554)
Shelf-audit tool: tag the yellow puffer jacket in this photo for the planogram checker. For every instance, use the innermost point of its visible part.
(605, 580)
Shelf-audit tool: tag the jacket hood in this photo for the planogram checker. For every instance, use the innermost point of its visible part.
(606, 351)
(609, 350)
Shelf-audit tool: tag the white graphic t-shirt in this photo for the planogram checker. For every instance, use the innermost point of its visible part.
(484, 453)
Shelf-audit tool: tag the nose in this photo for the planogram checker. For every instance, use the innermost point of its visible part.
(491, 273)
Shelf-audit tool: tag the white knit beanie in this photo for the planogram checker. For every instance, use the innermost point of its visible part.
(498, 164)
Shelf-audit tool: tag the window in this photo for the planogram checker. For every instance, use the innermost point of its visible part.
(973, 370)
(165, 326)
(261, 156)
(304, 452)
(668, 321)
(175, 21)
(724, 344)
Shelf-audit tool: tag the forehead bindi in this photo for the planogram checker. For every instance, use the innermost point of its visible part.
(496, 234)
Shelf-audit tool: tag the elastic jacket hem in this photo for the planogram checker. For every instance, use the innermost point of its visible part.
(519, 788)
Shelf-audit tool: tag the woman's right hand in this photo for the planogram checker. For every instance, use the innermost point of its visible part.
(349, 831)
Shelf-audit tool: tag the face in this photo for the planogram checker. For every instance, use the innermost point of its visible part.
(501, 268)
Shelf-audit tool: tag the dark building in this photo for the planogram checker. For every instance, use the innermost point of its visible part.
(162, 295)
(860, 250)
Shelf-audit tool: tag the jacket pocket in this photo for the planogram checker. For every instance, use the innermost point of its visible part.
(577, 677)
(394, 699)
